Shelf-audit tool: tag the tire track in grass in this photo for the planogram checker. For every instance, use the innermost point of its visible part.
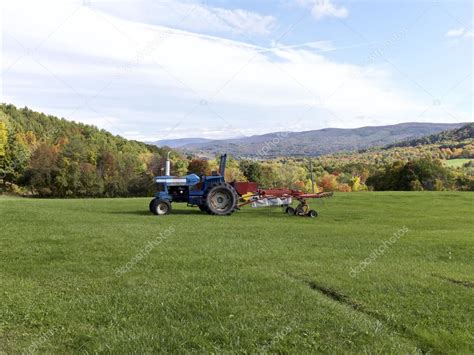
(468, 284)
(342, 299)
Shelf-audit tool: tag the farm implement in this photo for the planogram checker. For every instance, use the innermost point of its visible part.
(284, 198)
(213, 195)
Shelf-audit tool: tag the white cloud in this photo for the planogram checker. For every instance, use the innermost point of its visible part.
(460, 32)
(190, 15)
(242, 21)
(455, 32)
(324, 8)
(154, 81)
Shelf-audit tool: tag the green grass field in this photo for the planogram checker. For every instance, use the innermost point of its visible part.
(456, 163)
(72, 279)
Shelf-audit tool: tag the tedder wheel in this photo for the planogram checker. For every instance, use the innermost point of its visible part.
(312, 213)
(290, 210)
(221, 199)
(161, 207)
(150, 206)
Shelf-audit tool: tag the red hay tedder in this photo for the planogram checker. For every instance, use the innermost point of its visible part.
(278, 197)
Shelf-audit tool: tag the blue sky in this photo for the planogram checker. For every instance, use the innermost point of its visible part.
(182, 68)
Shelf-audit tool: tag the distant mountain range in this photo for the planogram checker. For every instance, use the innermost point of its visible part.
(309, 143)
(178, 143)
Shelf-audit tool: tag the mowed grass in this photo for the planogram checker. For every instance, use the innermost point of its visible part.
(255, 282)
(456, 163)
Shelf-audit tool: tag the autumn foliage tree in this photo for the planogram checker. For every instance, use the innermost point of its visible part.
(43, 170)
(199, 167)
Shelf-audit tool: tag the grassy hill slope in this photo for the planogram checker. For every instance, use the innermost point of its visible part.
(210, 284)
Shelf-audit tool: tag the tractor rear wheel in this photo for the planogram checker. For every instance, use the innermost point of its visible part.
(161, 207)
(220, 199)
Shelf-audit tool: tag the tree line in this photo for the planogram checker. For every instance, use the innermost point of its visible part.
(46, 156)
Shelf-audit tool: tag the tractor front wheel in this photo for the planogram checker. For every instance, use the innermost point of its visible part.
(161, 207)
(150, 206)
(312, 213)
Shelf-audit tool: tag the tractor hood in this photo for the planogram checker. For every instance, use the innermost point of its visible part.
(188, 180)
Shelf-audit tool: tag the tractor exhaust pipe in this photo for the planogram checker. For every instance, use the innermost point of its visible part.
(168, 165)
(222, 164)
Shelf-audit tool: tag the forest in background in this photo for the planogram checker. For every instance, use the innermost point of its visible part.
(41, 155)
(46, 156)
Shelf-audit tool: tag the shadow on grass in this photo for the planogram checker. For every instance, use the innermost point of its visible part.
(247, 213)
(149, 214)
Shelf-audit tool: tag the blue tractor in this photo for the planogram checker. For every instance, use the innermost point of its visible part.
(210, 193)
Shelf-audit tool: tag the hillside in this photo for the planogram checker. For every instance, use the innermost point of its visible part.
(47, 156)
(317, 142)
(454, 135)
(434, 162)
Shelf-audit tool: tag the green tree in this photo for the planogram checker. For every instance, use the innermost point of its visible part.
(252, 170)
(3, 140)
